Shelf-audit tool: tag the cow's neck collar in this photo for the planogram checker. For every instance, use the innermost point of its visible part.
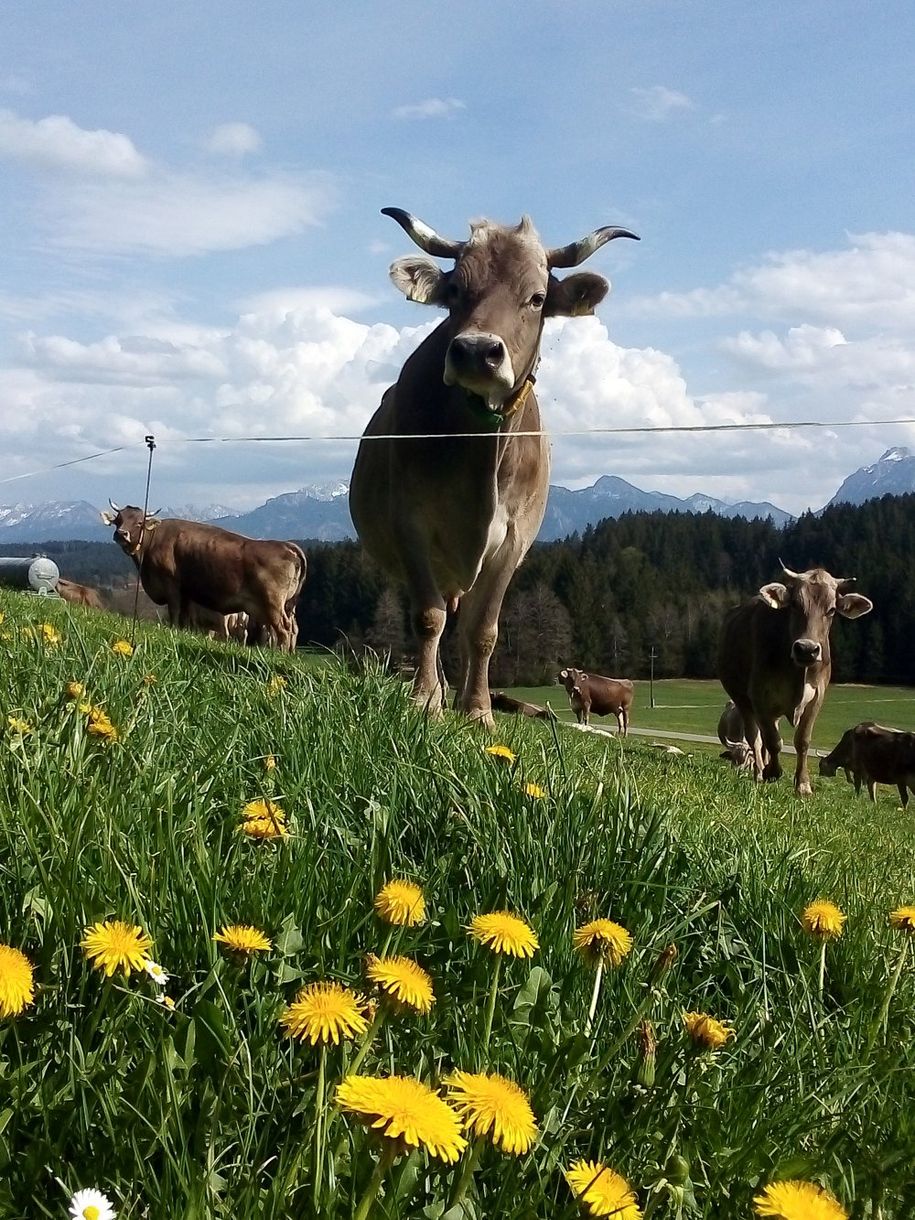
(492, 419)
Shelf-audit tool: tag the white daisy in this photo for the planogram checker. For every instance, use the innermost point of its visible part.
(155, 972)
(91, 1205)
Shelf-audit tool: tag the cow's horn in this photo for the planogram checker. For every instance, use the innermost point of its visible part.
(787, 571)
(113, 505)
(578, 251)
(427, 239)
(155, 513)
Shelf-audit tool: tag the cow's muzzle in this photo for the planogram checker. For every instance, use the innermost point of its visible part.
(827, 768)
(806, 652)
(480, 363)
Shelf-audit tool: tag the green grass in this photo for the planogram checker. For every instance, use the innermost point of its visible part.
(685, 705)
(207, 1111)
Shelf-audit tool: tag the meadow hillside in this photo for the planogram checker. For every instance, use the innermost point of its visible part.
(188, 1098)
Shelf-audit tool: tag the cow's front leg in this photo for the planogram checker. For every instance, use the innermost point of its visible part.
(479, 629)
(802, 736)
(428, 625)
(772, 742)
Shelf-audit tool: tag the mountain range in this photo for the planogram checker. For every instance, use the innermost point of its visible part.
(322, 511)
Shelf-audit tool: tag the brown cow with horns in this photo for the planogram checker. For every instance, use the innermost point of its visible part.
(182, 562)
(451, 495)
(774, 661)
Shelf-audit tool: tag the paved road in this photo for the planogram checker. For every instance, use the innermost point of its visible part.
(669, 735)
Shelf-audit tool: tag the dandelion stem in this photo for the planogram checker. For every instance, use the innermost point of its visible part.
(595, 996)
(368, 1038)
(491, 1006)
(882, 1015)
(319, 1127)
(471, 1156)
(822, 978)
(384, 1164)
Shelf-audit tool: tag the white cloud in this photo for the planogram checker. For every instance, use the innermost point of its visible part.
(658, 103)
(803, 348)
(871, 282)
(57, 143)
(233, 140)
(430, 108)
(177, 214)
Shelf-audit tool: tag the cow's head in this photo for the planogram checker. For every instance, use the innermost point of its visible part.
(571, 679)
(131, 529)
(498, 294)
(813, 599)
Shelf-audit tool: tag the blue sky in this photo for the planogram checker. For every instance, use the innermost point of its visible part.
(192, 244)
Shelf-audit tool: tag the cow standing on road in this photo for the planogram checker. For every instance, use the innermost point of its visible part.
(591, 693)
(452, 494)
(774, 661)
(181, 562)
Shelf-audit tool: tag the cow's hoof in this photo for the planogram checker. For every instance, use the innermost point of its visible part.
(484, 719)
(804, 789)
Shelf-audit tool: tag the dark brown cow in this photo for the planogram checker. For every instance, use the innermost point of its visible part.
(591, 693)
(181, 562)
(452, 503)
(874, 755)
(517, 707)
(731, 736)
(774, 661)
(80, 595)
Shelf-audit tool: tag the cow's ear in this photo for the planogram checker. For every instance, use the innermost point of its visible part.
(853, 605)
(151, 524)
(776, 596)
(106, 517)
(582, 677)
(575, 295)
(419, 279)
(563, 674)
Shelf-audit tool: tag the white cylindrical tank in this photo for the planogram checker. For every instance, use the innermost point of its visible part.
(36, 573)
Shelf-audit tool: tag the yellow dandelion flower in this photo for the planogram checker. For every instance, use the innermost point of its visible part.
(99, 725)
(504, 933)
(798, 1201)
(823, 920)
(602, 940)
(242, 938)
(705, 1031)
(166, 1001)
(20, 727)
(263, 819)
(16, 987)
(74, 690)
(402, 980)
(502, 753)
(402, 903)
(50, 634)
(494, 1106)
(534, 790)
(122, 648)
(114, 945)
(602, 1191)
(264, 828)
(903, 919)
(270, 762)
(324, 1012)
(276, 684)
(406, 1110)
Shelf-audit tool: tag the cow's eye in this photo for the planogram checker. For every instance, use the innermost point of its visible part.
(537, 300)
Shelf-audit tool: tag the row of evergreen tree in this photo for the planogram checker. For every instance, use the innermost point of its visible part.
(604, 600)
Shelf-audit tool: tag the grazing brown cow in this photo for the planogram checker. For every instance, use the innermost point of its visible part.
(875, 755)
(218, 626)
(517, 707)
(591, 693)
(451, 495)
(80, 595)
(774, 661)
(731, 736)
(181, 562)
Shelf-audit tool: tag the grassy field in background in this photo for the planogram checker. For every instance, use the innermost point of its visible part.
(684, 705)
(205, 1109)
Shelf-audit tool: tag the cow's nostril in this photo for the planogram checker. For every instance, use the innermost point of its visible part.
(494, 354)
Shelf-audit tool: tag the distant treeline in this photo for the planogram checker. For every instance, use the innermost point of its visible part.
(602, 600)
